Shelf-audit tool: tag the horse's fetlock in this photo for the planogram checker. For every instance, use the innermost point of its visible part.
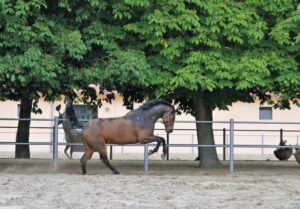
(83, 168)
(163, 156)
(150, 152)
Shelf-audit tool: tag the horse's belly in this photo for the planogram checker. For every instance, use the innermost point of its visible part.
(124, 138)
(120, 137)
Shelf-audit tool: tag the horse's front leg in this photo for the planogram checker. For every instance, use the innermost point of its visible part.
(159, 140)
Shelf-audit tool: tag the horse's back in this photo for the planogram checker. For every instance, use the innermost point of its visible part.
(112, 130)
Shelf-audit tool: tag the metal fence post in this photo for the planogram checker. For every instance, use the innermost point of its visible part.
(55, 144)
(227, 142)
(168, 141)
(224, 143)
(146, 166)
(52, 139)
(281, 136)
(231, 146)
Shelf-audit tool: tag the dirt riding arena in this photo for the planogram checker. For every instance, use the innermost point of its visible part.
(168, 184)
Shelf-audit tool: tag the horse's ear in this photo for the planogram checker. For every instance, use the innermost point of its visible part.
(58, 107)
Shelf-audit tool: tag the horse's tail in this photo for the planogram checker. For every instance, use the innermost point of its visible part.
(70, 113)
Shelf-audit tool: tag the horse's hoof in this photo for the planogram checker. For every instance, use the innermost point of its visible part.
(163, 156)
(150, 152)
(116, 172)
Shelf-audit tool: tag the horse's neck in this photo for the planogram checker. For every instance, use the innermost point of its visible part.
(151, 115)
(67, 125)
(156, 112)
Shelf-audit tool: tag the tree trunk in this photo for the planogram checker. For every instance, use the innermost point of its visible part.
(23, 151)
(207, 155)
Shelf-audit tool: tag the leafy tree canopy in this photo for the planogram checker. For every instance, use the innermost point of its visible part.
(147, 48)
(35, 48)
(229, 50)
(49, 48)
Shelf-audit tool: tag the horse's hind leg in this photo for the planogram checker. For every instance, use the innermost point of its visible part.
(66, 153)
(83, 161)
(85, 157)
(71, 152)
(104, 159)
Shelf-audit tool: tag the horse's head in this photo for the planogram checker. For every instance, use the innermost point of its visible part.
(60, 115)
(158, 108)
(168, 120)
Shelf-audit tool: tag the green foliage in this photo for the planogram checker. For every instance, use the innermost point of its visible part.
(50, 48)
(249, 47)
(287, 31)
(36, 49)
(158, 48)
(125, 67)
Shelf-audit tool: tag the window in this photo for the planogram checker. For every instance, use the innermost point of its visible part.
(265, 113)
(84, 112)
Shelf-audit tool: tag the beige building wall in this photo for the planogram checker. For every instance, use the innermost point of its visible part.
(41, 130)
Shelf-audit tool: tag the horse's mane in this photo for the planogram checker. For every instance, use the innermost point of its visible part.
(153, 103)
(72, 116)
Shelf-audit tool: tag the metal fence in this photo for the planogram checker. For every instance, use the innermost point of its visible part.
(228, 139)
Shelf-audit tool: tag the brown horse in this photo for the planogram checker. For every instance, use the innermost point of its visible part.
(135, 127)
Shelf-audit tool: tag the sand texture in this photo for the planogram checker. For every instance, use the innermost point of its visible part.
(33, 184)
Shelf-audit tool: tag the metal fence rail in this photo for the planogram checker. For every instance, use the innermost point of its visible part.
(54, 143)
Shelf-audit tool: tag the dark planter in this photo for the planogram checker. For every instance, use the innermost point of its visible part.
(283, 153)
(297, 157)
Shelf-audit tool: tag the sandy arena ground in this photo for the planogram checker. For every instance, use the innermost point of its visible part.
(33, 184)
